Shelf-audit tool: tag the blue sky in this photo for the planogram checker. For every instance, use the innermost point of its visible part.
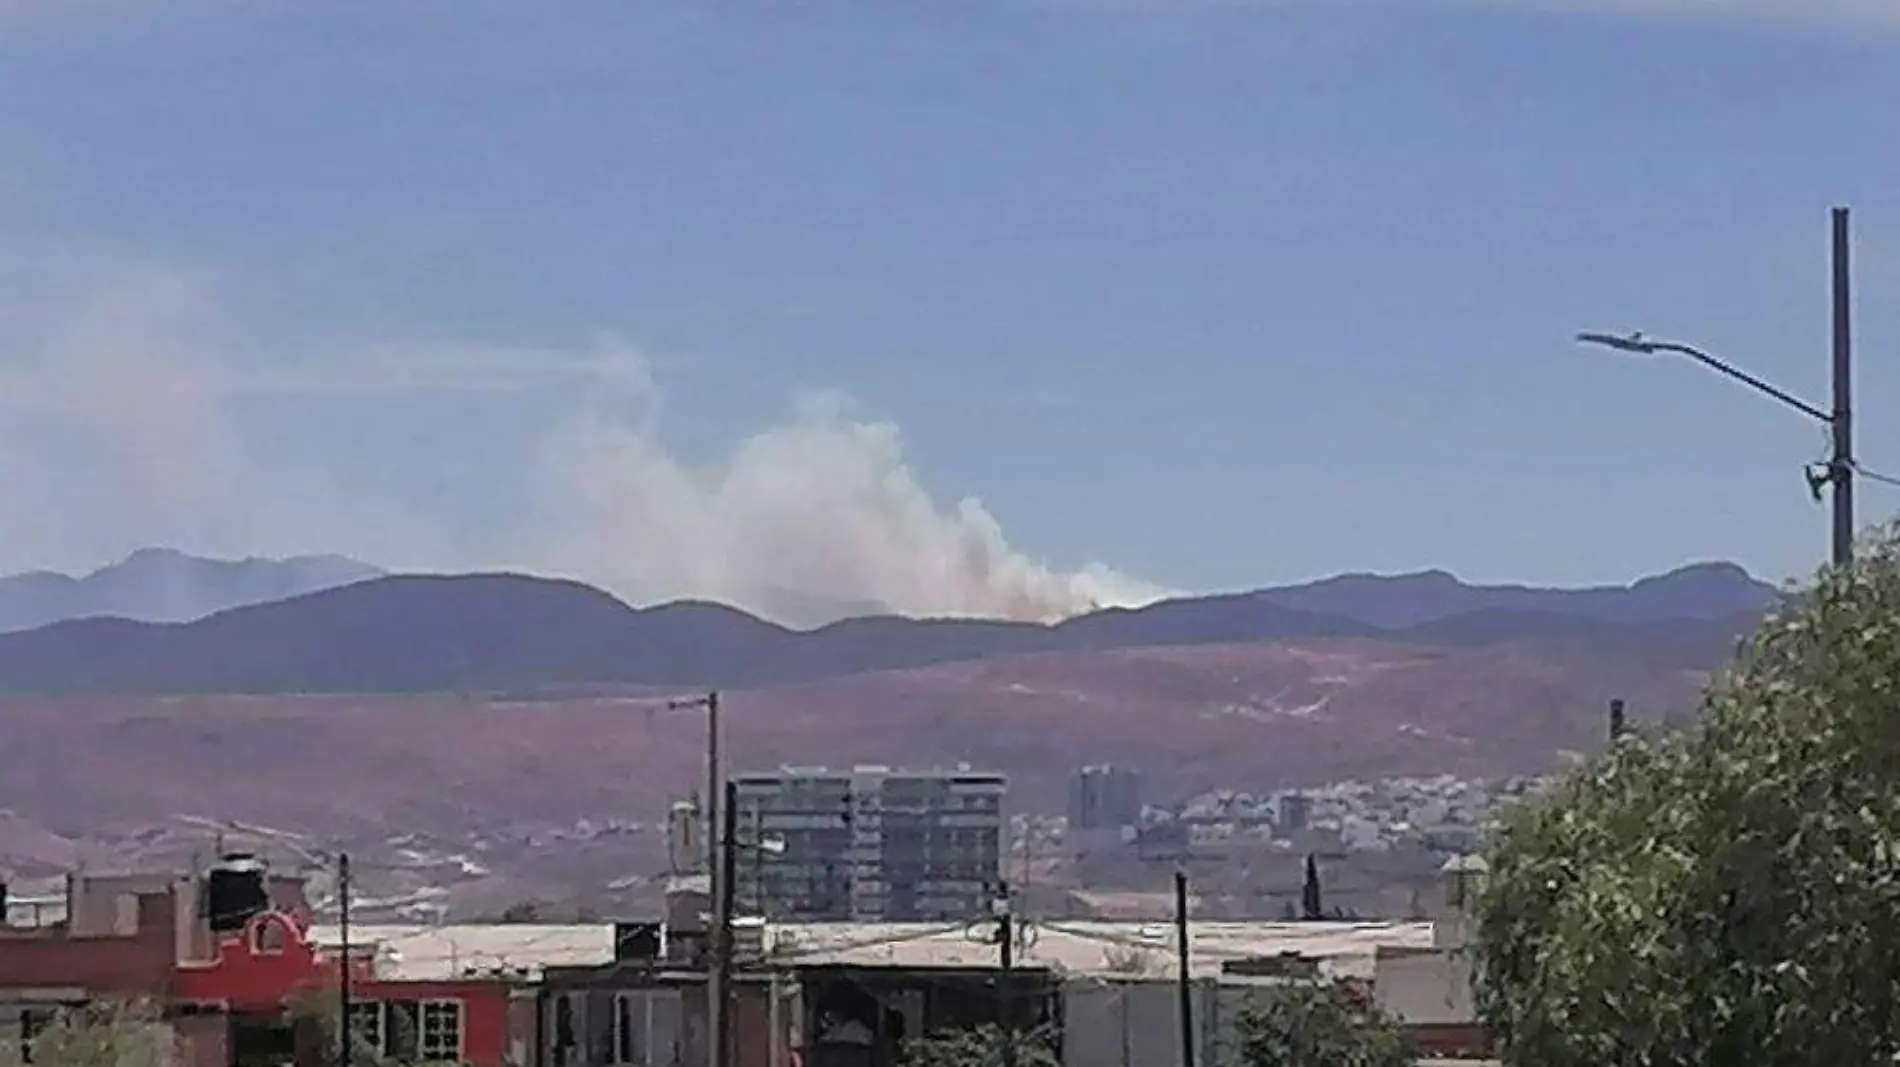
(743, 300)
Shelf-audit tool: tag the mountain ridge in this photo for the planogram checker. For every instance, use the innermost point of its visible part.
(500, 631)
(163, 585)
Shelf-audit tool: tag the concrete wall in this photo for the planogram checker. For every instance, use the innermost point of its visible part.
(522, 1034)
(1123, 1024)
(654, 1017)
(1431, 988)
(666, 1025)
(1136, 1023)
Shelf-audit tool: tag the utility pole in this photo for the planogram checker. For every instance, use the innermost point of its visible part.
(715, 786)
(1841, 463)
(343, 1031)
(758, 861)
(1185, 985)
(1006, 959)
(720, 973)
(1312, 907)
(1838, 472)
(719, 874)
(709, 703)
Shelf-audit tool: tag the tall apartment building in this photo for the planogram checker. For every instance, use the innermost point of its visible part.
(868, 844)
(1104, 797)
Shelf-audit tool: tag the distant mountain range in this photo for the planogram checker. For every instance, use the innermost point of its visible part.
(163, 585)
(359, 633)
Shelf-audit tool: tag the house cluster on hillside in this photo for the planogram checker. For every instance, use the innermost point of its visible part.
(235, 962)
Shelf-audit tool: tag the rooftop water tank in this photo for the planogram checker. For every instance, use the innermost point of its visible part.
(235, 889)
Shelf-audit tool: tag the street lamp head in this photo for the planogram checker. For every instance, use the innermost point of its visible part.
(1633, 342)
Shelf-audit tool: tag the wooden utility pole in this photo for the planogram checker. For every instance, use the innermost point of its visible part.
(1185, 985)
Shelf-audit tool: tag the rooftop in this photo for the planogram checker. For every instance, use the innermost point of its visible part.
(413, 953)
(1099, 949)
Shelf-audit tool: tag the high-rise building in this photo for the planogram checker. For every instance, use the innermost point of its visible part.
(1104, 797)
(868, 844)
(1292, 812)
(685, 854)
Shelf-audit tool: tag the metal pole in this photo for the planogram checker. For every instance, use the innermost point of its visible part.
(1842, 463)
(343, 959)
(1006, 953)
(1185, 985)
(775, 1022)
(758, 862)
(720, 973)
(714, 791)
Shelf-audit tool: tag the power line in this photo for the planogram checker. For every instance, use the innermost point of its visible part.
(1876, 476)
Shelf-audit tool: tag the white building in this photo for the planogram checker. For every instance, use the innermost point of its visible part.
(869, 844)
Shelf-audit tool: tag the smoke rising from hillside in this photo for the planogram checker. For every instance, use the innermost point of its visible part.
(811, 518)
(133, 422)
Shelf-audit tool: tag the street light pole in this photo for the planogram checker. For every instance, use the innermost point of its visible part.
(1841, 464)
(1838, 472)
(719, 843)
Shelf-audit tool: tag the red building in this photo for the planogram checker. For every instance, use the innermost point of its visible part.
(256, 973)
(231, 976)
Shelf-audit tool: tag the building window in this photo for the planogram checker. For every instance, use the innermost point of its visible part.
(441, 1031)
(366, 1025)
(267, 938)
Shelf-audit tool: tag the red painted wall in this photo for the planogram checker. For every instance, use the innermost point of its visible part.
(250, 980)
(140, 964)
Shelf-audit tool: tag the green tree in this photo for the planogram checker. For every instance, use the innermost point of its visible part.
(1730, 893)
(987, 1045)
(1311, 1022)
(100, 1034)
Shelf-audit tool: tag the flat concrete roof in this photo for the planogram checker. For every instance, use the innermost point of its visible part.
(1105, 950)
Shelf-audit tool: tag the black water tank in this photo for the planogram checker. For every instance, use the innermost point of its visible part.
(235, 890)
(636, 941)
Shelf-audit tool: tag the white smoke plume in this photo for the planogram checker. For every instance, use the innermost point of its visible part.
(814, 517)
(808, 520)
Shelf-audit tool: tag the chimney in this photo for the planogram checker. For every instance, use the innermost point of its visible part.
(1462, 880)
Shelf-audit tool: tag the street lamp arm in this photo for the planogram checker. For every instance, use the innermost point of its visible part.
(1638, 344)
(1745, 378)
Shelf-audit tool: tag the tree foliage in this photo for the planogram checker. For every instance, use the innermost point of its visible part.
(987, 1045)
(100, 1034)
(1317, 1023)
(1731, 893)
